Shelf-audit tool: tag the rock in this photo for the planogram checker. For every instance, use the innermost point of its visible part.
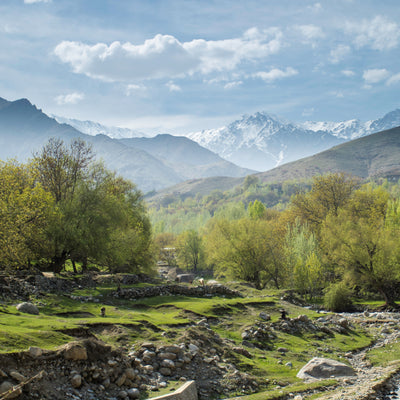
(242, 351)
(130, 373)
(289, 364)
(123, 394)
(193, 348)
(6, 386)
(28, 308)
(35, 352)
(302, 318)
(168, 364)
(282, 349)
(75, 351)
(343, 322)
(322, 368)
(2, 374)
(167, 356)
(17, 376)
(133, 393)
(165, 371)
(263, 315)
(76, 381)
(121, 380)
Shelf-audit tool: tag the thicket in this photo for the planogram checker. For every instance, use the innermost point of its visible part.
(63, 206)
(340, 234)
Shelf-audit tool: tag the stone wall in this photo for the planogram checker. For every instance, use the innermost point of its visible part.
(176, 290)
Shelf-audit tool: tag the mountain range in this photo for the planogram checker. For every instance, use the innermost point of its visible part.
(24, 129)
(372, 156)
(262, 141)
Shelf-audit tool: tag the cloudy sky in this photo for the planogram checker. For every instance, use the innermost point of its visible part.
(182, 65)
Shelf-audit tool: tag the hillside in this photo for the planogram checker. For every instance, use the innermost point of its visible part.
(24, 129)
(375, 155)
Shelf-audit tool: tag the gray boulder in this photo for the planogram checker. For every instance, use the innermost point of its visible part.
(28, 308)
(322, 368)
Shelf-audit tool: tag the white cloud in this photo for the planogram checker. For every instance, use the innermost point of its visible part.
(275, 74)
(316, 7)
(308, 112)
(173, 87)
(71, 98)
(393, 79)
(375, 75)
(37, 1)
(348, 72)
(232, 85)
(339, 53)
(310, 33)
(164, 56)
(133, 88)
(379, 33)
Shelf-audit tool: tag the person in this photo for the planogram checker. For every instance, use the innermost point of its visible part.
(283, 314)
(103, 311)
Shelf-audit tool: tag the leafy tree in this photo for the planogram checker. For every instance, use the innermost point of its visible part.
(256, 210)
(190, 250)
(98, 216)
(247, 249)
(306, 272)
(360, 242)
(328, 194)
(24, 212)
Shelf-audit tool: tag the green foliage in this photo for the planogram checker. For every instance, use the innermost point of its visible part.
(63, 206)
(338, 297)
(247, 249)
(256, 209)
(190, 251)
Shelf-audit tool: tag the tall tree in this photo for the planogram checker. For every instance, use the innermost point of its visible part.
(190, 250)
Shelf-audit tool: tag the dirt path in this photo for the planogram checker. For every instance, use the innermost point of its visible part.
(369, 380)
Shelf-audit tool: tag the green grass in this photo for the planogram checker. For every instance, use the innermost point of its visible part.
(385, 356)
(127, 322)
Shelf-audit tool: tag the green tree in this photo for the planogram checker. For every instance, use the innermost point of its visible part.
(328, 194)
(256, 210)
(190, 250)
(247, 249)
(305, 268)
(363, 246)
(24, 212)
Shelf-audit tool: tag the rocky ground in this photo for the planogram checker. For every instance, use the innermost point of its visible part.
(88, 369)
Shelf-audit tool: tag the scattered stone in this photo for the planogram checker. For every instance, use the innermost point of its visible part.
(121, 380)
(133, 393)
(28, 308)
(322, 368)
(6, 386)
(35, 352)
(76, 381)
(17, 376)
(263, 315)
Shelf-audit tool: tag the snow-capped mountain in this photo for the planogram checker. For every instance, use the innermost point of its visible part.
(94, 128)
(262, 141)
(354, 128)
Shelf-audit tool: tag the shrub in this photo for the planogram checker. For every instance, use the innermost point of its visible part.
(338, 297)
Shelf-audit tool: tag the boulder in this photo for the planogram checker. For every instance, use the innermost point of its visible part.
(263, 315)
(28, 308)
(75, 351)
(322, 368)
(133, 393)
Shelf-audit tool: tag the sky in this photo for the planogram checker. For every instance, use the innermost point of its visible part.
(177, 66)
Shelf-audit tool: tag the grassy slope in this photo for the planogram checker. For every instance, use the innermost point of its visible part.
(129, 322)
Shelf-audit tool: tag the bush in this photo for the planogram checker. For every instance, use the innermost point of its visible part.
(338, 297)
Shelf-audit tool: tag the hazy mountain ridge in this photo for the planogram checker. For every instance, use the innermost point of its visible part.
(24, 129)
(371, 156)
(263, 141)
(94, 128)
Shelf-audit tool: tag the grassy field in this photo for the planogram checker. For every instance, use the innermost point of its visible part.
(166, 319)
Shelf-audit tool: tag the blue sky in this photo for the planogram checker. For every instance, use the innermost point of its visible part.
(182, 65)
